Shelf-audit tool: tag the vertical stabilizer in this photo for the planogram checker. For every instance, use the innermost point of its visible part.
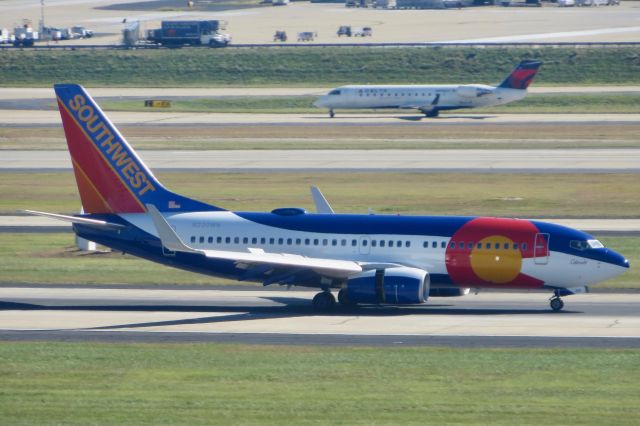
(111, 178)
(522, 75)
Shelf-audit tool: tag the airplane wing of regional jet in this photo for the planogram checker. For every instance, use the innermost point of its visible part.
(296, 263)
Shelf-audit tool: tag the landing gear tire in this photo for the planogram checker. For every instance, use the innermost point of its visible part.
(343, 299)
(331, 113)
(556, 304)
(432, 114)
(324, 301)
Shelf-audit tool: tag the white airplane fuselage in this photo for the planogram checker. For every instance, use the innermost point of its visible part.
(421, 97)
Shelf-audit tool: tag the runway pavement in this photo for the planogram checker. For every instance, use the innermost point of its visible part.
(276, 316)
(462, 160)
(51, 118)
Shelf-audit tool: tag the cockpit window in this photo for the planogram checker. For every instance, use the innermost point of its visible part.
(594, 244)
(585, 245)
(334, 92)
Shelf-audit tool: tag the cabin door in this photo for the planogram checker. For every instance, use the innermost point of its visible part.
(541, 249)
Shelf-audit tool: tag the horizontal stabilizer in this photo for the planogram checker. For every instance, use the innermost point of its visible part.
(80, 220)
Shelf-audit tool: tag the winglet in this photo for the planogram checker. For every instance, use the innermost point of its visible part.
(322, 205)
(170, 240)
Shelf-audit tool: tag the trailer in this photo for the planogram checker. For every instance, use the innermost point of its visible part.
(190, 33)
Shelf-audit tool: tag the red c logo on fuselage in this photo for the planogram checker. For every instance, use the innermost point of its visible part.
(488, 252)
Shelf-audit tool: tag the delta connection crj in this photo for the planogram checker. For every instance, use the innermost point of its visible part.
(369, 259)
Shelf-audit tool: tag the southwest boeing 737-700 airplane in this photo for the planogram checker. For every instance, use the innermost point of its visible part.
(431, 99)
(369, 259)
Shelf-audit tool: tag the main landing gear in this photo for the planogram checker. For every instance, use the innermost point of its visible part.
(324, 301)
(556, 302)
(331, 113)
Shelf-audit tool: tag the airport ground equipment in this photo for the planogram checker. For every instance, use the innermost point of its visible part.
(190, 33)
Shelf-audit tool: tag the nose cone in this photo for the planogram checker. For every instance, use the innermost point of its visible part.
(617, 259)
(321, 102)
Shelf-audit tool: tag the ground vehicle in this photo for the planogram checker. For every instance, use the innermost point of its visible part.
(82, 32)
(344, 30)
(307, 36)
(362, 32)
(190, 33)
(280, 36)
(24, 36)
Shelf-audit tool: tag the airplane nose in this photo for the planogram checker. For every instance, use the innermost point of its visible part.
(320, 102)
(617, 259)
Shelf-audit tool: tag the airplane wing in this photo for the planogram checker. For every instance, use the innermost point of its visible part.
(292, 264)
(74, 219)
(422, 106)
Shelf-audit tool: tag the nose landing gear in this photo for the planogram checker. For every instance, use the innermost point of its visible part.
(556, 302)
(331, 113)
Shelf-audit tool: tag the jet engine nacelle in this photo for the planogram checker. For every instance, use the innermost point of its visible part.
(472, 91)
(448, 292)
(396, 286)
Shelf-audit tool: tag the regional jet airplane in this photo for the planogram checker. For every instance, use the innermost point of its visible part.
(368, 259)
(431, 99)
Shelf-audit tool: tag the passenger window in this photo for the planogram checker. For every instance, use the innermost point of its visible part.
(443, 244)
(479, 246)
(210, 240)
(201, 240)
(515, 246)
(496, 246)
(263, 240)
(506, 246)
(382, 243)
(364, 243)
(470, 246)
(434, 244)
(245, 240)
(298, 241)
(461, 245)
(399, 243)
(280, 241)
(354, 243)
(488, 246)
(236, 240)
(407, 244)
(374, 243)
(272, 240)
(452, 245)
(227, 240)
(193, 239)
(390, 243)
(219, 240)
(425, 244)
(289, 241)
(307, 241)
(524, 246)
(344, 243)
(334, 242)
(325, 242)
(254, 240)
(315, 242)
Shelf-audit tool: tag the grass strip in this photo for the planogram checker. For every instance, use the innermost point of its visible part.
(308, 66)
(89, 383)
(430, 135)
(501, 194)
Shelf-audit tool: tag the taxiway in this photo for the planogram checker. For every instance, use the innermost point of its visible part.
(276, 316)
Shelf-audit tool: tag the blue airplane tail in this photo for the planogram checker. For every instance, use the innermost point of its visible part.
(111, 178)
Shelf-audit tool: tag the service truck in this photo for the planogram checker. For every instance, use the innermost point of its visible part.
(190, 33)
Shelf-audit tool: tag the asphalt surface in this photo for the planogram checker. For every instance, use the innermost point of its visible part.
(490, 319)
(459, 160)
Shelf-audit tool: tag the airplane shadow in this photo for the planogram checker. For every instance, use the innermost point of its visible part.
(416, 118)
(288, 308)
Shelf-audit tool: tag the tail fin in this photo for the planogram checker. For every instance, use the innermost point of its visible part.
(522, 75)
(111, 178)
